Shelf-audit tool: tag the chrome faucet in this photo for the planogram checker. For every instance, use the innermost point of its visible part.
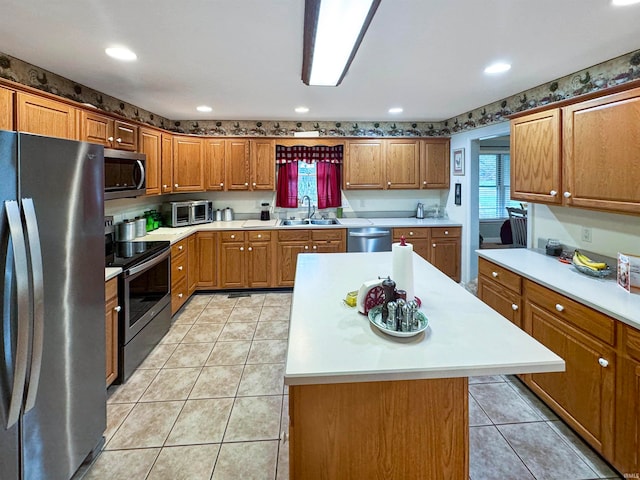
(309, 206)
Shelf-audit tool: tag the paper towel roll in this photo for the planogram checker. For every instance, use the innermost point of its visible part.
(402, 268)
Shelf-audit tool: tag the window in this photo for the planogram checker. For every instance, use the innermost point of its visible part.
(495, 185)
(307, 182)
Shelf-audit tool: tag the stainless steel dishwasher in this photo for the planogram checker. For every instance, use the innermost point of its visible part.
(369, 239)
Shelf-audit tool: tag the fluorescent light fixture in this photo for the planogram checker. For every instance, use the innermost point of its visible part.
(395, 110)
(121, 53)
(301, 109)
(204, 108)
(623, 3)
(498, 67)
(333, 31)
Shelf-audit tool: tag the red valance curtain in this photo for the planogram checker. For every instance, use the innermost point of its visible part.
(301, 153)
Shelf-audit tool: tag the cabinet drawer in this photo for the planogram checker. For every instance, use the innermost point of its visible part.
(420, 232)
(178, 268)
(501, 275)
(332, 234)
(293, 235)
(259, 236)
(632, 342)
(446, 232)
(233, 236)
(586, 319)
(179, 247)
(111, 289)
(179, 295)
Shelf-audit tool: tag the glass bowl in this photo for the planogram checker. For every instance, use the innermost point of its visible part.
(605, 272)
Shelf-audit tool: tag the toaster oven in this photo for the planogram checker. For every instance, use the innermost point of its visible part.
(192, 212)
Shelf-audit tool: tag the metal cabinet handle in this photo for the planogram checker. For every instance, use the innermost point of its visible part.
(494, 274)
(553, 193)
(118, 308)
(567, 194)
(604, 363)
(180, 268)
(559, 307)
(514, 307)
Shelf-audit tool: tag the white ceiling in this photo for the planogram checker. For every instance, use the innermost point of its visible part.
(244, 57)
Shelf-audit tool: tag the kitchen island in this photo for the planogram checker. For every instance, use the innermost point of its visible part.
(367, 405)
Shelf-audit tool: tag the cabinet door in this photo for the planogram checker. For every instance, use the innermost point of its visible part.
(287, 259)
(42, 116)
(418, 237)
(263, 164)
(6, 108)
(166, 174)
(584, 393)
(627, 447)
(232, 265)
(434, 163)
(259, 264)
(236, 168)
(601, 140)
(208, 259)
(188, 175)
(125, 136)
(96, 128)
(193, 264)
(111, 330)
(445, 256)
(535, 157)
(364, 167)
(402, 164)
(151, 145)
(503, 301)
(214, 158)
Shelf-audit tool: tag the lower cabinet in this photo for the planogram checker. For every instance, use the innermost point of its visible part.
(207, 245)
(501, 290)
(627, 434)
(246, 259)
(111, 329)
(418, 237)
(179, 267)
(193, 264)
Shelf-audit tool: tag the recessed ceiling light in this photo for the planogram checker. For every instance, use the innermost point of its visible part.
(395, 110)
(301, 109)
(623, 3)
(121, 53)
(204, 108)
(498, 67)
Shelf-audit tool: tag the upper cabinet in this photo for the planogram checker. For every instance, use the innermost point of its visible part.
(536, 167)
(214, 157)
(6, 108)
(151, 145)
(402, 163)
(363, 165)
(111, 133)
(434, 163)
(237, 164)
(42, 116)
(263, 164)
(601, 153)
(188, 165)
(166, 170)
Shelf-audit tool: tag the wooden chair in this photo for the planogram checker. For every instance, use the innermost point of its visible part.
(518, 221)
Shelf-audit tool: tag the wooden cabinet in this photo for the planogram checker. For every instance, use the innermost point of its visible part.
(111, 133)
(179, 268)
(328, 241)
(237, 164)
(445, 250)
(112, 310)
(601, 140)
(166, 170)
(193, 264)
(207, 245)
(263, 164)
(536, 169)
(363, 165)
(583, 395)
(500, 289)
(232, 260)
(242, 164)
(246, 259)
(435, 163)
(627, 433)
(214, 163)
(416, 236)
(151, 145)
(6, 108)
(188, 165)
(402, 164)
(42, 116)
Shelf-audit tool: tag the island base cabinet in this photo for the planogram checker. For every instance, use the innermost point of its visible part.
(414, 429)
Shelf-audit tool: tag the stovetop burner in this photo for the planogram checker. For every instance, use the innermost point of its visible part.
(130, 254)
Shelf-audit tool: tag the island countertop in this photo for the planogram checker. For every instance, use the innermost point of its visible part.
(330, 342)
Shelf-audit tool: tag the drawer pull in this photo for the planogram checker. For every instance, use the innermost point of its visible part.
(553, 193)
(180, 268)
(246, 184)
(306, 247)
(410, 233)
(232, 237)
(495, 274)
(250, 249)
(424, 182)
(514, 307)
(567, 194)
(110, 139)
(604, 363)
(180, 295)
(119, 140)
(259, 235)
(179, 247)
(118, 308)
(165, 186)
(221, 184)
(315, 247)
(446, 232)
(389, 183)
(348, 183)
(433, 245)
(242, 249)
(254, 184)
(559, 307)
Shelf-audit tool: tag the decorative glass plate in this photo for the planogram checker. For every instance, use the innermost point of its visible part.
(375, 317)
(605, 272)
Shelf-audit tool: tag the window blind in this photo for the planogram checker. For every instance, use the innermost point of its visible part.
(494, 184)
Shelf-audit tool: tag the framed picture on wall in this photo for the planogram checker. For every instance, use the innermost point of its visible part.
(458, 161)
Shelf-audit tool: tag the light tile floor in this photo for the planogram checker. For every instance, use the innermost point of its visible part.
(210, 403)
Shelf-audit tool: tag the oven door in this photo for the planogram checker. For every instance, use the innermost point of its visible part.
(146, 291)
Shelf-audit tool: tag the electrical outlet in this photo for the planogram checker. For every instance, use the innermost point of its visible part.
(586, 234)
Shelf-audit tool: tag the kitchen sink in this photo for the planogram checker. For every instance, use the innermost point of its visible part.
(313, 221)
(293, 222)
(323, 221)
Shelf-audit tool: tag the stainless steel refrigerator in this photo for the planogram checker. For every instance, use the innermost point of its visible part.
(52, 356)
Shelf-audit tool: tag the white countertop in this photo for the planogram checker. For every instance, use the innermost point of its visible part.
(111, 272)
(330, 342)
(603, 295)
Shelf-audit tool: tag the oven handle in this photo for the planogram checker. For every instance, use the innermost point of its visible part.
(149, 263)
(141, 166)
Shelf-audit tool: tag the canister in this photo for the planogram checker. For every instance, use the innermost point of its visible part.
(125, 231)
(141, 227)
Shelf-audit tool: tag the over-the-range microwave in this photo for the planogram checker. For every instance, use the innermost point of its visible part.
(124, 174)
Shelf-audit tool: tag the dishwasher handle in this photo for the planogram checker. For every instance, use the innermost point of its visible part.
(382, 233)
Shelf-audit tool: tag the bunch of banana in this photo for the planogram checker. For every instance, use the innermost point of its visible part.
(584, 261)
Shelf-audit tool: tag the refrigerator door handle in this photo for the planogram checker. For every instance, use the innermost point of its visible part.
(35, 252)
(23, 325)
